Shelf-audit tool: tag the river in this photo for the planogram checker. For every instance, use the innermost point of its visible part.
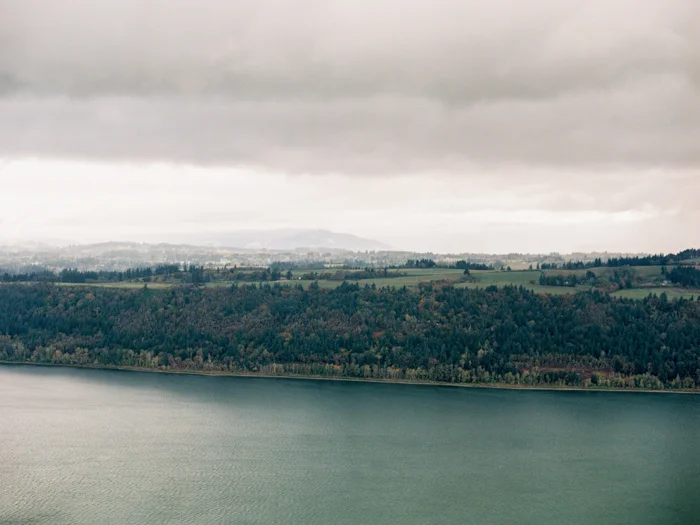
(111, 447)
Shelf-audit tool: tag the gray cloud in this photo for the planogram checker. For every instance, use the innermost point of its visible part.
(353, 87)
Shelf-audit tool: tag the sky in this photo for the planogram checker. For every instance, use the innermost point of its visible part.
(448, 126)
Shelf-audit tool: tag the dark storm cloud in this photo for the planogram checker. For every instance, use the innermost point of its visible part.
(353, 87)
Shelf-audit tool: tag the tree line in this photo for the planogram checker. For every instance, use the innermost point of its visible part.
(686, 276)
(571, 280)
(344, 275)
(459, 265)
(185, 274)
(74, 275)
(616, 262)
(438, 333)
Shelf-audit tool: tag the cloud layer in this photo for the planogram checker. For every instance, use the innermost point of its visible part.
(452, 125)
(381, 87)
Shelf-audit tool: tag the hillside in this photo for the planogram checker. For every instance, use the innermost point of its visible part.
(438, 333)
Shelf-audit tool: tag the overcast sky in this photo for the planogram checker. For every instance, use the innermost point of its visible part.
(450, 125)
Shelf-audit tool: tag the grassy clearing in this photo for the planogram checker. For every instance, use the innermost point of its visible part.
(499, 278)
(672, 293)
(121, 284)
(432, 272)
(599, 272)
(414, 277)
(220, 284)
(528, 279)
(552, 290)
(412, 280)
(481, 279)
(604, 272)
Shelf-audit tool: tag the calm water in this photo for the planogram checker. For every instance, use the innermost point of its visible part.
(88, 447)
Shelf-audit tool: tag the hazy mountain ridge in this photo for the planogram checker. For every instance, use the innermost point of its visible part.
(242, 240)
(289, 239)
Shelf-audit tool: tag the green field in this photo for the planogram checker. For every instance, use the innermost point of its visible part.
(649, 272)
(121, 284)
(499, 278)
(553, 290)
(414, 277)
(672, 293)
(650, 275)
(481, 279)
(528, 279)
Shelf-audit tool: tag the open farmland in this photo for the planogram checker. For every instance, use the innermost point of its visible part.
(647, 279)
(527, 278)
(122, 284)
(500, 278)
(671, 293)
(413, 277)
(646, 272)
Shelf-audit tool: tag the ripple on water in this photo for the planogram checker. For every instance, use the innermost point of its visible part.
(85, 446)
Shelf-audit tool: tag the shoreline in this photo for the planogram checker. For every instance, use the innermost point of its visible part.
(306, 377)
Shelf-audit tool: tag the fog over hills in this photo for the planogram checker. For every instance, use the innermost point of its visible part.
(284, 239)
(277, 239)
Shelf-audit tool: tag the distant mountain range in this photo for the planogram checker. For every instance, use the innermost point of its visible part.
(253, 240)
(284, 239)
(295, 239)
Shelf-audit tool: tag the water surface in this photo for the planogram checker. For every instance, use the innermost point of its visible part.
(87, 446)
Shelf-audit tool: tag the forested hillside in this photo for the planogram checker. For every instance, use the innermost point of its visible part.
(439, 333)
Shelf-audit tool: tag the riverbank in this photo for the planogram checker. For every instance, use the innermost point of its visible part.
(307, 377)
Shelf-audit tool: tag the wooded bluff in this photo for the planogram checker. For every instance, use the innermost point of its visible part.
(505, 335)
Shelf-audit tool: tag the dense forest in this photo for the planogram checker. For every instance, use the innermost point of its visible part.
(439, 333)
(73, 275)
(190, 274)
(186, 274)
(568, 280)
(420, 263)
(679, 258)
(618, 279)
(684, 275)
(655, 260)
(465, 265)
